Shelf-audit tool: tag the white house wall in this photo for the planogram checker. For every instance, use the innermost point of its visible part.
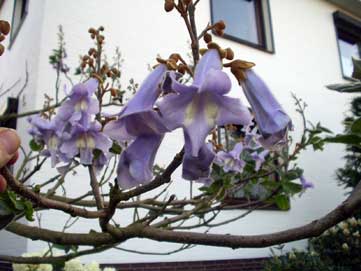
(306, 59)
(25, 49)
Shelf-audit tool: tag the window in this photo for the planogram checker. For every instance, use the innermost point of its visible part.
(348, 32)
(247, 21)
(19, 13)
(11, 108)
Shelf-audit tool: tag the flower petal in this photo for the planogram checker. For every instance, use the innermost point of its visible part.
(216, 82)
(136, 162)
(210, 60)
(231, 111)
(195, 168)
(270, 116)
(147, 94)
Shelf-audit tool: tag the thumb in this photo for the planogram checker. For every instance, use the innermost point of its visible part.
(9, 143)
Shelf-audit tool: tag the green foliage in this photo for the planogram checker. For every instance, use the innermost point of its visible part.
(36, 146)
(10, 203)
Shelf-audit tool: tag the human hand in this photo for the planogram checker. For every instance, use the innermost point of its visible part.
(9, 145)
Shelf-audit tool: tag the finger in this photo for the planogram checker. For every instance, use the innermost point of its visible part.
(9, 143)
(3, 184)
(13, 159)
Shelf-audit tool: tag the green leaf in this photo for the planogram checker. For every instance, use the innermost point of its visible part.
(291, 188)
(356, 126)
(350, 139)
(35, 146)
(346, 88)
(356, 68)
(116, 148)
(29, 211)
(282, 202)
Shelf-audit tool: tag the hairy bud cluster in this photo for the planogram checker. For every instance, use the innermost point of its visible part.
(4, 31)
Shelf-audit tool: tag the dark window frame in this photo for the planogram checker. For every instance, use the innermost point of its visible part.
(15, 32)
(260, 28)
(349, 28)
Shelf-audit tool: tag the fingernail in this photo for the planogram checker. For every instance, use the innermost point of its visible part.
(9, 140)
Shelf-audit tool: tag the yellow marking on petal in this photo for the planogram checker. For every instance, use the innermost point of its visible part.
(90, 142)
(211, 112)
(81, 143)
(53, 143)
(82, 105)
(191, 111)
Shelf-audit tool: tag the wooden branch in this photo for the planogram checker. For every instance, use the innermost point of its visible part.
(95, 188)
(41, 201)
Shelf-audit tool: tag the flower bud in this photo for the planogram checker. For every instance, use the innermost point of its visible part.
(182, 68)
(172, 64)
(168, 5)
(219, 32)
(85, 58)
(113, 92)
(174, 56)
(2, 37)
(2, 49)
(92, 31)
(4, 27)
(202, 51)
(230, 54)
(101, 28)
(220, 25)
(207, 38)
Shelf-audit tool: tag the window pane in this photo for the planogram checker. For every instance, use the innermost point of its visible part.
(347, 51)
(240, 17)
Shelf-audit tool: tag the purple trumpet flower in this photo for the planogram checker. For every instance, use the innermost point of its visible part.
(198, 168)
(139, 121)
(201, 106)
(138, 117)
(271, 119)
(136, 162)
(84, 140)
(47, 132)
(80, 105)
(231, 161)
(259, 158)
(306, 184)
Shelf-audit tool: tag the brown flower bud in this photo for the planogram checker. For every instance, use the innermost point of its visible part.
(213, 45)
(172, 64)
(109, 73)
(182, 68)
(2, 49)
(85, 58)
(101, 28)
(115, 71)
(238, 68)
(219, 32)
(220, 25)
(92, 31)
(207, 38)
(92, 36)
(175, 57)
(202, 51)
(222, 53)
(169, 5)
(2, 37)
(113, 92)
(4, 27)
(230, 54)
(91, 61)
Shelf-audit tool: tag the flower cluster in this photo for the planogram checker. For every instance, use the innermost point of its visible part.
(74, 130)
(163, 104)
